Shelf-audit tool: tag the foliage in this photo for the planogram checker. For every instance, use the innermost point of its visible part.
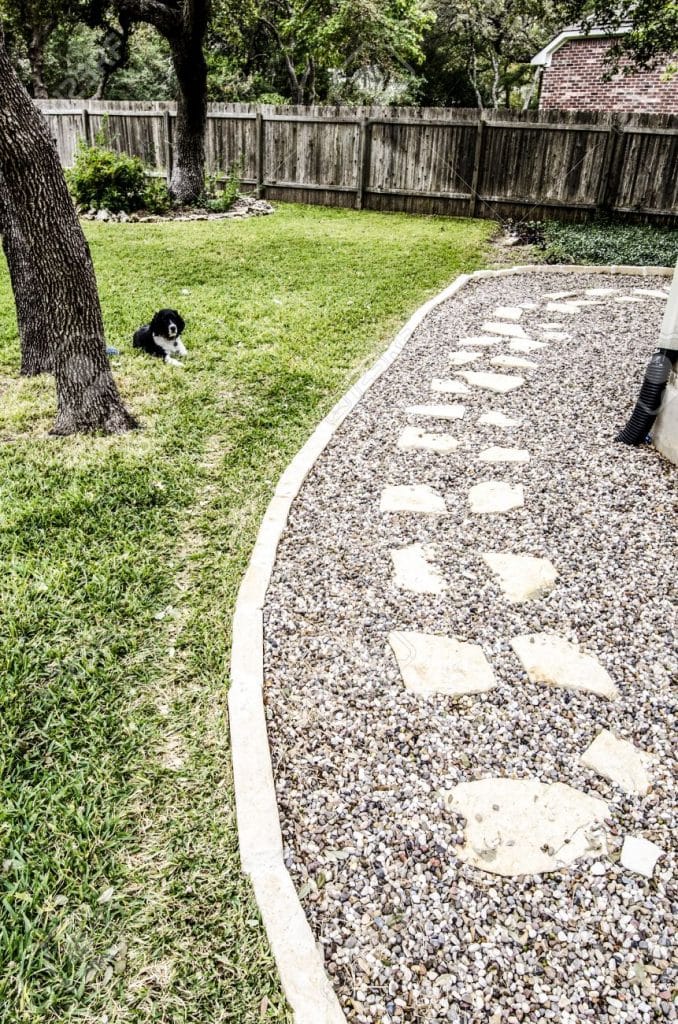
(652, 39)
(608, 243)
(219, 197)
(103, 179)
(121, 888)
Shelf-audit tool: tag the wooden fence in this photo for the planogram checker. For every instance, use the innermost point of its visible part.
(460, 162)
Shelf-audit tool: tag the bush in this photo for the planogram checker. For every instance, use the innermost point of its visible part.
(104, 180)
(605, 243)
(220, 202)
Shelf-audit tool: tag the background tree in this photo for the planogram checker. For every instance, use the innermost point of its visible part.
(58, 311)
(35, 21)
(652, 39)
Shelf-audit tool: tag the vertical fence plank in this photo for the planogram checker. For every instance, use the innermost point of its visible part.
(363, 163)
(477, 164)
(608, 171)
(261, 155)
(167, 145)
(86, 126)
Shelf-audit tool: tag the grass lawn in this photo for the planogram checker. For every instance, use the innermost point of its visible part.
(120, 892)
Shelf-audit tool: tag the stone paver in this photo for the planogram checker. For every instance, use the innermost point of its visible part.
(556, 335)
(440, 412)
(482, 340)
(557, 662)
(507, 312)
(628, 298)
(640, 855)
(526, 345)
(505, 330)
(498, 419)
(563, 307)
(495, 496)
(432, 664)
(414, 572)
(462, 357)
(447, 386)
(516, 362)
(654, 293)
(619, 762)
(521, 577)
(412, 438)
(498, 454)
(412, 498)
(527, 827)
(501, 383)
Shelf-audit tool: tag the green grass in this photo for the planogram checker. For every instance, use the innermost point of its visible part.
(120, 892)
(606, 243)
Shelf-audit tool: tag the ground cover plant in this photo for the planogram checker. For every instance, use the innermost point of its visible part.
(121, 898)
(603, 242)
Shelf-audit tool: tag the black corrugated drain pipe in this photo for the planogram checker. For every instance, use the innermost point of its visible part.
(650, 397)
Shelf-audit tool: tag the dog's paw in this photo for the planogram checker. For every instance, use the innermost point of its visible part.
(173, 362)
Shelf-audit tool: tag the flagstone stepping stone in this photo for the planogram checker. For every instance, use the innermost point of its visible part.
(556, 296)
(654, 293)
(414, 572)
(432, 664)
(449, 387)
(441, 412)
(508, 312)
(498, 382)
(601, 291)
(640, 855)
(557, 662)
(556, 335)
(529, 305)
(497, 419)
(498, 454)
(527, 827)
(495, 496)
(563, 307)
(506, 330)
(412, 498)
(514, 361)
(413, 438)
(526, 345)
(627, 298)
(462, 357)
(483, 340)
(619, 762)
(521, 577)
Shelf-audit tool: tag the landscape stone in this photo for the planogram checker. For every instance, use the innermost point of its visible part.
(495, 496)
(432, 664)
(527, 827)
(499, 454)
(497, 419)
(484, 340)
(521, 577)
(446, 386)
(508, 312)
(462, 357)
(655, 293)
(640, 855)
(413, 438)
(440, 412)
(557, 662)
(563, 307)
(628, 298)
(517, 362)
(557, 296)
(506, 330)
(526, 346)
(498, 382)
(556, 335)
(619, 762)
(412, 498)
(601, 291)
(414, 572)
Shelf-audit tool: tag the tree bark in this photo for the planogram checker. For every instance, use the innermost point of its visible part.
(51, 268)
(36, 59)
(188, 174)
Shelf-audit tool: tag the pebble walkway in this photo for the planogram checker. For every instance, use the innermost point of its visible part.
(470, 637)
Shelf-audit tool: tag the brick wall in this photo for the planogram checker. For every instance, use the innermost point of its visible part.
(575, 81)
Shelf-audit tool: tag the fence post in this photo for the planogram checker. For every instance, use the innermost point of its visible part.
(86, 126)
(363, 163)
(167, 139)
(260, 155)
(608, 176)
(477, 164)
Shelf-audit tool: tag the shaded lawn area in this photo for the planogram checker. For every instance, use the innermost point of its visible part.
(120, 892)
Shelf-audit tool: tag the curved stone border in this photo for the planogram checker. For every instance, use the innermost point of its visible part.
(299, 961)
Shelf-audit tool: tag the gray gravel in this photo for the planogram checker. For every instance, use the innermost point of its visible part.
(409, 933)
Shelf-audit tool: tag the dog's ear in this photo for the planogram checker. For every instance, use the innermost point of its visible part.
(157, 324)
(179, 320)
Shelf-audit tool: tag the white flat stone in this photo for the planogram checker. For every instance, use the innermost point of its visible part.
(501, 383)
(414, 572)
(653, 293)
(521, 577)
(506, 330)
(440, 412)
(563, 307)
(553, 327)
(438, 664)
(497, 419)
(495, 496)
(412, 498)
(499, 454)
(507, 312)
(526, 827)
(601, 291)
(516, 362)
(529, 305)
(556, 335)
(482, 340)
(628, 298)
(619, 762)
(446, 386)
(640, 855)
(526, 345)
(462, 357)
(413, 438)
(555, 661)
(556, 296)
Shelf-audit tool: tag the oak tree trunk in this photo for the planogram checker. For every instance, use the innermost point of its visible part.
(51, 268)
(188, 173)
(36, 60)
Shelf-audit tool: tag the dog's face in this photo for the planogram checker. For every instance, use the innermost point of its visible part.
(166, 328)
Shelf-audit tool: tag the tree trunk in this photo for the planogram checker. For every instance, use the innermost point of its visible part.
(36, 59)
(188, 175)
(65, 323)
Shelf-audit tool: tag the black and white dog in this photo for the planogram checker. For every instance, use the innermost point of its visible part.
(162, 337)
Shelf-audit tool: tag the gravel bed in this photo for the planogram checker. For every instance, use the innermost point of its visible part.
(409, 932)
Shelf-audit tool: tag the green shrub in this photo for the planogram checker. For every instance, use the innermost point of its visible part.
(156, 197)
(101, 179)
(221, 201)
(601, 242)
